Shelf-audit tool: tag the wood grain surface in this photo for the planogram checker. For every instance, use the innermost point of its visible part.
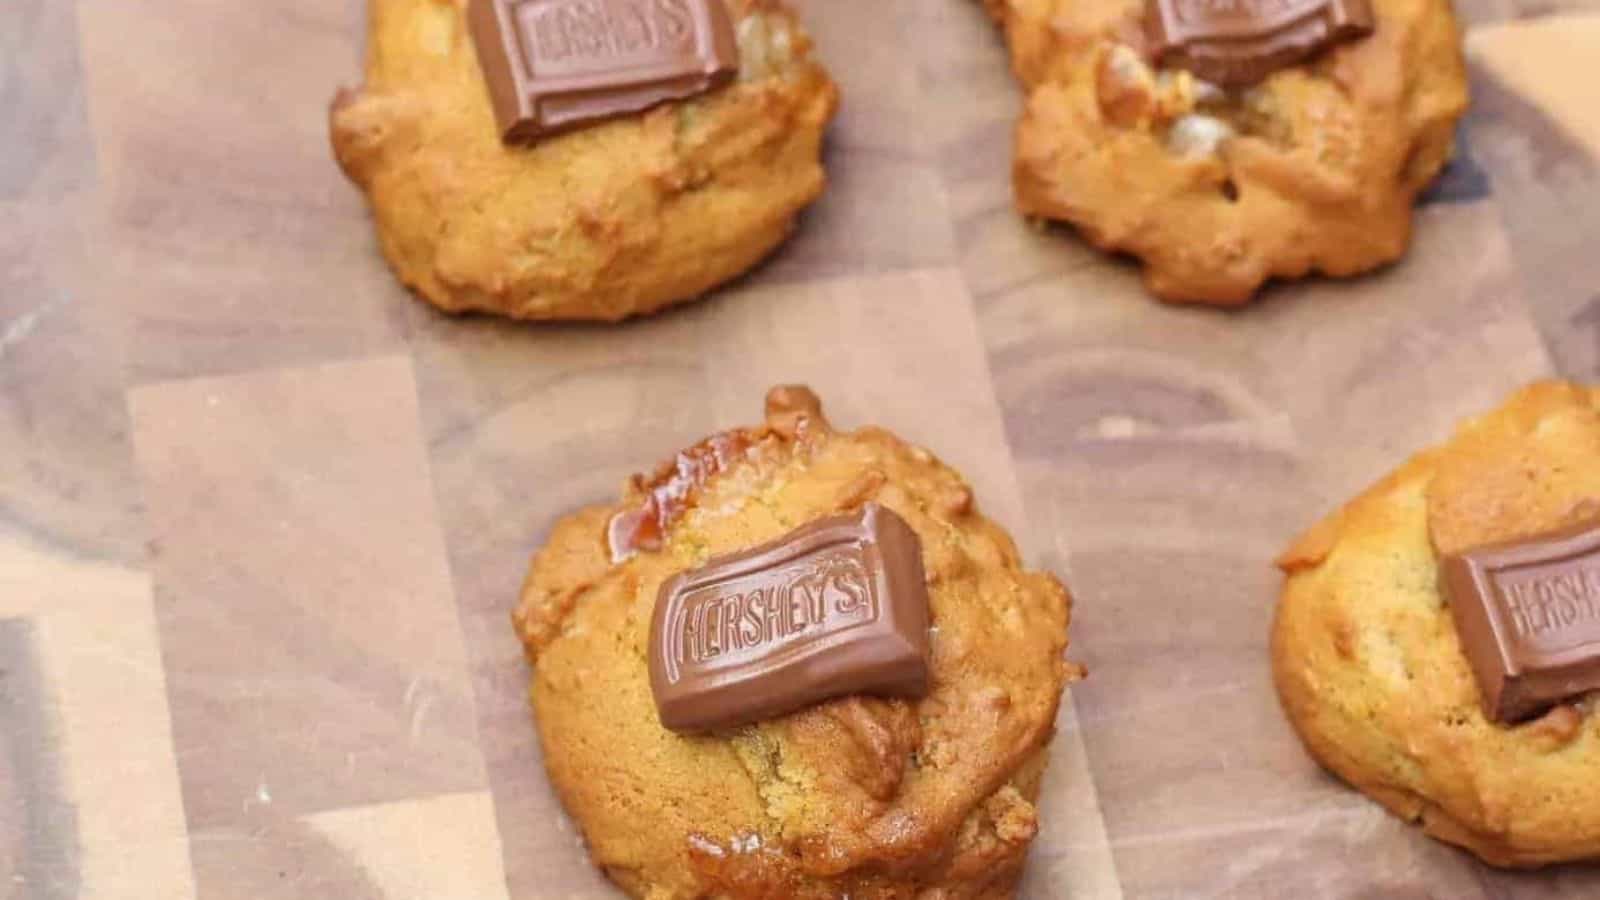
(263, 516)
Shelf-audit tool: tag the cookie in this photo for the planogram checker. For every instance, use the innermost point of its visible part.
(1314, 169)
(1369, 664)
(603, 222)
(859, 796)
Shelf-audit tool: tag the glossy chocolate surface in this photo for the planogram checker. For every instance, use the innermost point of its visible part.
(1528, 615)
(553, 65)
(838, 606)
(1240, 42)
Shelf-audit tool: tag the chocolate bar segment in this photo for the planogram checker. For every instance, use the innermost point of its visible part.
(1240, 42)
(838, 606)
(553, 65)
(1528, 615)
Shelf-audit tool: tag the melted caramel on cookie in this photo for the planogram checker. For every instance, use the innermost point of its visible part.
(668, 493)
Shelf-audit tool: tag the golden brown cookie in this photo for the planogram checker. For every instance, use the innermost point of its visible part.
(1367, 660)
(610, 221)
(861, 796)
(1314, 169)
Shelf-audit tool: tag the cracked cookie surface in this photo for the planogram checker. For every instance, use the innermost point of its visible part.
(1366, 658)
(613, 220)
(1314, 169)
(860, 796)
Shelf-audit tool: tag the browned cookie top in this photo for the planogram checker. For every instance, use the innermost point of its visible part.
(1368, 662)
(603, 222)
(859, 796)
(1313, 169)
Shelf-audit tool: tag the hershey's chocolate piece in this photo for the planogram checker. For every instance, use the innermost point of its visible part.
(553, 65)
(838, 606)
(1528, 615)
(1240, 42)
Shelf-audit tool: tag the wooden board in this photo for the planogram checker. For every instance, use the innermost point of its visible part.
(262, 516)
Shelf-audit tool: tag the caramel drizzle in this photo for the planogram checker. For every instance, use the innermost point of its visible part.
(670, 492)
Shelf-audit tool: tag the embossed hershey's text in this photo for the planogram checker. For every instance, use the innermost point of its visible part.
(1553, 601)
(764, 612)
(1202, 11)
(565, 31)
